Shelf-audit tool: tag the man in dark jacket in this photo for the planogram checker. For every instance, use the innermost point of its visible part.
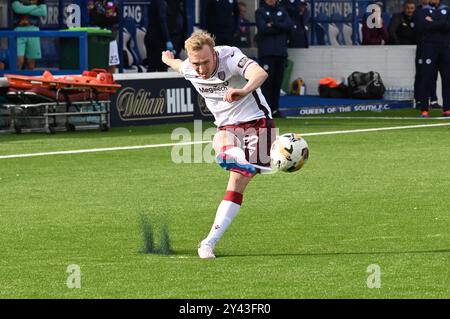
(433, 25)
(221, 19)
(299, 14)
(433, 100)
(401, 27)
(274, 26)
(157, 38)
(176, 23)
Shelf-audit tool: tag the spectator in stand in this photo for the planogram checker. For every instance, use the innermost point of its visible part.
(221, 19)
(176, 24)
(157, 39)
(401, 27)
(26, 14)
(274, 26)
(242, 39)
(105, 14)
(299, 14)
(374, 30)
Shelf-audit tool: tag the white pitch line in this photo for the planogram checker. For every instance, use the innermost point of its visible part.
(93, 150)
(375, 129)
(137, 147)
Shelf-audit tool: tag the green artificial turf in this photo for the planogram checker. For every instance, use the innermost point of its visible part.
(365, 198)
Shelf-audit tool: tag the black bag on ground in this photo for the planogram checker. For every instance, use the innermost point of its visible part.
(366, 85)
(339, 92)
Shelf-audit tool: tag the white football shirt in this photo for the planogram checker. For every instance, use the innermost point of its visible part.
(229, 73)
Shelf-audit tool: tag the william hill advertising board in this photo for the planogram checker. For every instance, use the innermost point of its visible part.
(144, 101)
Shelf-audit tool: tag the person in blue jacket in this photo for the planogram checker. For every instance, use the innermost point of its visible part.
(274, 25)
(26, 14)
(299, 14)
(157, 38)
(433, 24)
(221, 19)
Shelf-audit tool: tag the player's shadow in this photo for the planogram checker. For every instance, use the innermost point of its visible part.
(431, 251)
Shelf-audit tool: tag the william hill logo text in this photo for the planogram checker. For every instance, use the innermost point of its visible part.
(179, 100)
(140, 104)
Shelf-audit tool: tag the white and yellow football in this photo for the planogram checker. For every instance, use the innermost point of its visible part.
(289, 153)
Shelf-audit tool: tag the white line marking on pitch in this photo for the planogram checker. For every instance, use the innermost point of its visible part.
(94, 150)
(376, 129)
(137, 147)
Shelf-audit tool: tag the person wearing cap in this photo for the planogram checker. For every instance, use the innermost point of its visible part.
(299, 14)
(274, 25)
(433, 24)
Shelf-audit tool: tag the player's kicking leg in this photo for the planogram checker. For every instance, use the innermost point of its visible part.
(230, 155)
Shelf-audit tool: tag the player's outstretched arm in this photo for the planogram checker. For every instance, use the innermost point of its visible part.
(255, 76)
(169, 59)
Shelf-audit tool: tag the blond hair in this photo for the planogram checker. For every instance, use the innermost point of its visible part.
(198, 39)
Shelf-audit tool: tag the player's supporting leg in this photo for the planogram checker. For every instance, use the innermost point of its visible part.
(226, 212)
(230, 155)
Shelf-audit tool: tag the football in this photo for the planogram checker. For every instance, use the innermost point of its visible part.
(289, 153)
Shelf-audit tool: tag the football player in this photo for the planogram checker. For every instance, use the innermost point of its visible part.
(230, 83)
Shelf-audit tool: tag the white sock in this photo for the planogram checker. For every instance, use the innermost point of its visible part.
(225, 214)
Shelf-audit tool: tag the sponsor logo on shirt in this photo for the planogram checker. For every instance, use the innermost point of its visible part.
(215, 88)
